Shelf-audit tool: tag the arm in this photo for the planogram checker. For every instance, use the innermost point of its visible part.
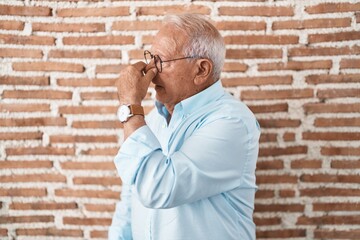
(213, 160)
(132, 86)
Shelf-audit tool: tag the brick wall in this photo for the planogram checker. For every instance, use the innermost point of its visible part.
(295, 63)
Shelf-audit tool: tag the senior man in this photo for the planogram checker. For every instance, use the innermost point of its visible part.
(188, 168)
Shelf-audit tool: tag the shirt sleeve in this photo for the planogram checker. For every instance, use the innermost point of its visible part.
(214, 159)
(120, 228)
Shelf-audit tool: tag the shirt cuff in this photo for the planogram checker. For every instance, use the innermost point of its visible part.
(134, 152)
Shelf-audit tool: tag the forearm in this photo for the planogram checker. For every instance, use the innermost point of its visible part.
(133, 124)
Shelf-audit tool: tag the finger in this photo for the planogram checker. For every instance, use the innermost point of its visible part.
(139, 66)
(150, 74)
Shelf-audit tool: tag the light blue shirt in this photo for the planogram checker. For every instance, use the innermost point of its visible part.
(191, 178)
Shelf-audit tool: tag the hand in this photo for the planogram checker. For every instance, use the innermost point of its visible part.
(132, 84)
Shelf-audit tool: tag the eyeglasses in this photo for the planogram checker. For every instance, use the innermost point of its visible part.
(157, 60)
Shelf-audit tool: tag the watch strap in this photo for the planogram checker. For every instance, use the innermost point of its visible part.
(136, 110)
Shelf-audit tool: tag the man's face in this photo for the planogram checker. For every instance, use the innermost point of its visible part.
(175, 82)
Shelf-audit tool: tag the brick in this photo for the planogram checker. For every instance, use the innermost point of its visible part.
(20, 135)
(253, 53)
(287, 193)
(349, 63)
(106, 194)
(331, 107)
(17, 107)
(277, 151)
(281, 233)
(267, 221)
(296, 65)
(329, 207)
(147, 39)
(48, 67)
(174, 9)
(99, 95)
(100, 207)
(319, 51)
(83, 138)
(330, 178)
(37, 94)
(12, 80)
(326, 192)
(85, 82)
(49, 232)
(303, 163)
(22, 122)
(289, 136)
(93, 12)
(269, 108)
(345, 164)
(279, 123)
(40, 151)
(256, 11)
(26, 40)
(334, 37)
(24, 11)
(136, 25)
(234, 67)
(101, 152)
(271, 179)
(103, 181)
(331, 151)
(26, 164)
(312, 23)
(86, 221)
(277, 94)
(338, 93)
(23, 192)
(26, 219)
(357, 17)
(100, 166)
(85, 54)
(274, 164)
(97, 124)
(32, 178)
(68, 27)
(98, 234)
(333, 79)
(331, 136)
(110, 68)
(99, 40)
(279, 208)
(337, 234)
(332, 8)
(87, 110)
(328, 220)
(264, 194)
(256, 81)
(12, 25)
(43, 205)
(240, 25)
(20, 53)
(261, 39)
(268, 137)
(3, 232)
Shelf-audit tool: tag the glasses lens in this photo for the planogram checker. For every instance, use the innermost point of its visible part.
(148, 56)
(158, 64)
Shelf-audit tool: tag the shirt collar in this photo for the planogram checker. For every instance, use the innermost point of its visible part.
(193, 103)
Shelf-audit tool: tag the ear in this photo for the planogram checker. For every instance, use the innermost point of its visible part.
(204, 71)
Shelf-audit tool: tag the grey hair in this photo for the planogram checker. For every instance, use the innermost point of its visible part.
(204, 39)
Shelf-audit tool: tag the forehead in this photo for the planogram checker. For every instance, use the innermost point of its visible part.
(168, 41)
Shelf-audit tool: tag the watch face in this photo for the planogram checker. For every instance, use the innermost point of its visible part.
(123, 113)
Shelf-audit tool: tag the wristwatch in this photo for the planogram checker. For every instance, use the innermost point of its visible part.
(126, 111)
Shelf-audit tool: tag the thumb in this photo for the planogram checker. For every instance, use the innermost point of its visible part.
(150, 74)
